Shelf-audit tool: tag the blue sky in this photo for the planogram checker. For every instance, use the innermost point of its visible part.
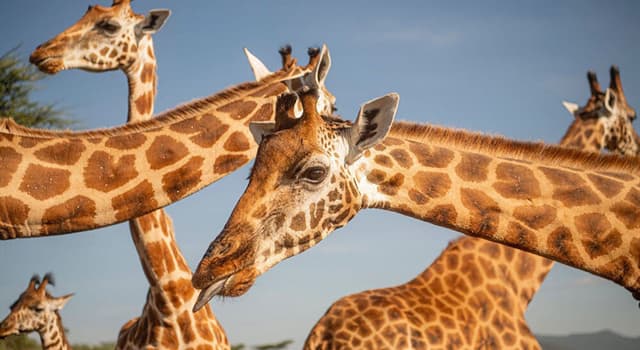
(498, 67)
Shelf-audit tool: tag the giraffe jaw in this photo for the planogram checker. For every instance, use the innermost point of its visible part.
(209, 292)
(49, 65)
(8, 332)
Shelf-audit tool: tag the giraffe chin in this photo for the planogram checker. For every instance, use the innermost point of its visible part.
(233, 285)
(208, 293)
(5, 333)
(49, 65)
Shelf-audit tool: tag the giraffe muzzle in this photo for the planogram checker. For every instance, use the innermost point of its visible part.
(209, 292)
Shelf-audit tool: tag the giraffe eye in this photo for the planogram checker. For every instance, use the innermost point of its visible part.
(314, 174)
(110, 27)
(37, 308)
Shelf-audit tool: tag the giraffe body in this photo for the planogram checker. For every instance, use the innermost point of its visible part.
(37, 311)
(473, 296)
(574, 207)
(62, 181)
(429, 311)
(167, 320)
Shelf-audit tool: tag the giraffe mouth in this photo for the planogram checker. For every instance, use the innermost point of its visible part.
(48, 64)
(207, 293)
(7, 333)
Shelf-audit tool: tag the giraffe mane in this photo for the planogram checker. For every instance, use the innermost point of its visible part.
(174, 115)
(501, 146)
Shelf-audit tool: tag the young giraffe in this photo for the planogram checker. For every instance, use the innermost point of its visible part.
(59, 182)
(37, 311)
(578, 208)
(406, 316)
(473, 296)
(167, 320)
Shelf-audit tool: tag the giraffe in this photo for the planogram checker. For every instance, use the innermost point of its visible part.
(108, 38)
(167, 320)
(604, 122)
(386, 317)
(36, 310)
(54, 182)
(579, 208)
(473, 296)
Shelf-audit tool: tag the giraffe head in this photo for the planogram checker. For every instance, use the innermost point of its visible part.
(319, 63)
(34, 310)
(105, 38)
(301, 188)
(604, 122)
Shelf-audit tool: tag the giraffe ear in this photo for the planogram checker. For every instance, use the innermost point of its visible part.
(261, 129)
(59, 303)
(153, 21)
(372, 124)
(321, 70)
(571, 107)
(610, 100)
(259, 69)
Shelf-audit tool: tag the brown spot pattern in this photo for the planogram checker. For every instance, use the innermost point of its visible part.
(237, 142)
(402, 157)
(431, 156)
(536, 217)
(147, 72)
(143, 103)
(596, 238)
(9, 161)
(78, 211)
(298, 222)
(238, 109)
(484, 211)
(519, 235)
(13, 211)
(135, 202)
(105, 174)
(126, 142)
(42, 182)
(228, 163)
(628, 212)
(516, 181)
(63, 153)
(383, 160)
(570, 189)
(608, 187)
(210, 130)
(432, 184)
(391, 186)
(180, 181)
(164, 151)
(473, 167)
(264, 113)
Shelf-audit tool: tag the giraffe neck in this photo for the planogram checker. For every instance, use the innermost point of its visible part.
(59, 182)
(485, 265)
(484, 187)
(53, 335)
(142, 81)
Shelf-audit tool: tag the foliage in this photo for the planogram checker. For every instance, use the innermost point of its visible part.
(238, 347)
(17, 82)
(19, 342)
(23, 342)
(281, 345)
(101, 346)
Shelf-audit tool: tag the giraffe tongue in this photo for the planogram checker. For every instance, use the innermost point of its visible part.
(207, 294)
